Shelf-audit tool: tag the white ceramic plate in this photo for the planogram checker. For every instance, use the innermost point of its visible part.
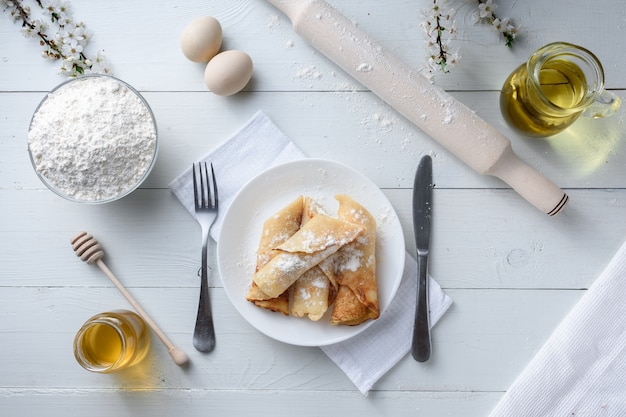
(265, 195)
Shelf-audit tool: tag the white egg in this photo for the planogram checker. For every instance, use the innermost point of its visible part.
(228, 72)
(201, 39)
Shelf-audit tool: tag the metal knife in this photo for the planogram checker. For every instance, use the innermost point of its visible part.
(422, 214)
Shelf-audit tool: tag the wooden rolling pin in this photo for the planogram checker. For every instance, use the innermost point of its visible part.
(429, 107)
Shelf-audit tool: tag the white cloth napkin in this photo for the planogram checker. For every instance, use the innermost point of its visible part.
(581, 369)
(260, 145)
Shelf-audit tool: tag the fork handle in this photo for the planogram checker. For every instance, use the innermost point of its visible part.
(204, 333)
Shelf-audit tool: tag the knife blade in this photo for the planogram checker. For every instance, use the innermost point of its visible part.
(422, 215)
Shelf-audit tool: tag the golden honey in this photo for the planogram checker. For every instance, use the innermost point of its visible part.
(111, 341)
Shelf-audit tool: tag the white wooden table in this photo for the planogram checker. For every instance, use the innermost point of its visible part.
(512, 271)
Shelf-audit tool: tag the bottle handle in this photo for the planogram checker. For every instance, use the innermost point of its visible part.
(605, 105)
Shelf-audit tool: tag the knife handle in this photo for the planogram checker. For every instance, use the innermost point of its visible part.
(420, 348)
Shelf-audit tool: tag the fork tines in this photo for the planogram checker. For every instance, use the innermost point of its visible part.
(205, 198)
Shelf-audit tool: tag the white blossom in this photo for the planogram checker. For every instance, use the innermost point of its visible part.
(440, 27)
(486, 14)
(487, 9)
(72, 51)
(100, 65)
(61, 37)
(439, 24)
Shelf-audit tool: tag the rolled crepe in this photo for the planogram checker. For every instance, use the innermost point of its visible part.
(355, 268)
(276, 230)
(348, 310)
(312, 293)
(311, 209)
(278, 304)
(315, 241)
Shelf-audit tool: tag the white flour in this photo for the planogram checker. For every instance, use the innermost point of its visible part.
(93, 139)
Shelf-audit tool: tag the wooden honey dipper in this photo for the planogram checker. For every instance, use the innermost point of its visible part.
(90, 251)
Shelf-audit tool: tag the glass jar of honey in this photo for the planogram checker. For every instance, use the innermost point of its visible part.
(111, 341)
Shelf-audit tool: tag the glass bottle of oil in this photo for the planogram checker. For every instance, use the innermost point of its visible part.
(111, 341)
(553, 88)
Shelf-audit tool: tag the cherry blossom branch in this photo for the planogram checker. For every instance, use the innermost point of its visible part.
(440, 27)
(486, 14)
(68, 39)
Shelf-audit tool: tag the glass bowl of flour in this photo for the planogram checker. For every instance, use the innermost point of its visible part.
(93, 139)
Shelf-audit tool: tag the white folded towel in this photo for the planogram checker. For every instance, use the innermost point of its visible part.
(260, 145)
(581, 370)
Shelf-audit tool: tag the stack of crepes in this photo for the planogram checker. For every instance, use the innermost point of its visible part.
(308, 261)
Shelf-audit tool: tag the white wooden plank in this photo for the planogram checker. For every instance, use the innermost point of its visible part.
(356, 129)
(513, 322)
(481, 239)
(151, 58)
(200, 402)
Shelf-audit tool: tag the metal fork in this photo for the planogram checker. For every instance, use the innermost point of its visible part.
(206, 202)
